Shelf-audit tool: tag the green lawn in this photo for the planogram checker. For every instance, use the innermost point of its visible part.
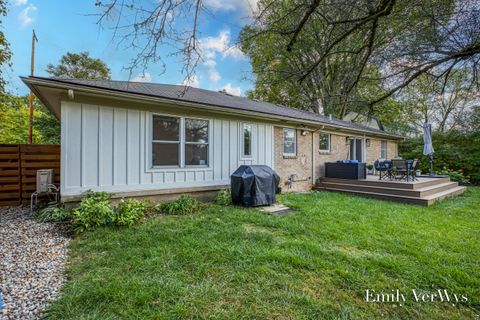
(232, 263)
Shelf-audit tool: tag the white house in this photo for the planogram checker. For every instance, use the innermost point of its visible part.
(145, 139)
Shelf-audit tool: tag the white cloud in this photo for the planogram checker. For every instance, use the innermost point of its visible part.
(220, 44)
(244, 6)
(20, 2)
(236, 91)
(252, 5)
(193, 81)
(210, 63)
(142, 77)
(24, 16)
(234, 52)
(223, 5)
(214, 75)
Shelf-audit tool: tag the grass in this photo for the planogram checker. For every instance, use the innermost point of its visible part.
(233, 263)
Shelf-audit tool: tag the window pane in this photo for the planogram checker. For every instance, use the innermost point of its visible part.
(358, 149)
(196, 154)
(383, 150)
(166, 128)
(165, 154)
(196, 130)
(289, 148)
(247, 139)
(352, 149)
(289, 141)
(324, 141)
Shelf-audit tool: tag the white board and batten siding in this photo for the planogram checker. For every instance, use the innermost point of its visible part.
(108, 149)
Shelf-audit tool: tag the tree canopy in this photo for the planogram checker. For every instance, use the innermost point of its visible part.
(80, 66)
(348, 54)
(318, 54)
(14, 112)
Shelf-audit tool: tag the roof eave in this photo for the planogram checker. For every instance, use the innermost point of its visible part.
(33, 82)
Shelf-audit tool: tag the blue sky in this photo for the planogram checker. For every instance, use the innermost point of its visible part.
(65, 26)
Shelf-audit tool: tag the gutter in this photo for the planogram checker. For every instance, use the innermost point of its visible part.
(58, 84)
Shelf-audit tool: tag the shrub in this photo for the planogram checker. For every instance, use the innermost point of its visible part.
(94, 210)
(224, 197)
(183, 205)
(456, 176)
(54, 213)
(453, 150)
(475, 178)
(129, 211)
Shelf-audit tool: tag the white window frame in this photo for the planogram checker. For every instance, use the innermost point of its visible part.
(242, 142)
(329, 142)
(181, 144)
(382, 143)
(294, 144)
(196, 143)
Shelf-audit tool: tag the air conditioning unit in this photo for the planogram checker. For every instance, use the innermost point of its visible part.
(44, 179)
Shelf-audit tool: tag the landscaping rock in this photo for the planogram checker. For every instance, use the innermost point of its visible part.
(32, 260)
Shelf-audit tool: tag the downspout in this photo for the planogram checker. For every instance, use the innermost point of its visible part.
(314, 180)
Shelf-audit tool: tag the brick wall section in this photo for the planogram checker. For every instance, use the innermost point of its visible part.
(392, 149)
(300, 165)
(374, 151)
(338, 151)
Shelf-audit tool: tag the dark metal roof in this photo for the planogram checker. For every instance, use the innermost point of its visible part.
(214, 98)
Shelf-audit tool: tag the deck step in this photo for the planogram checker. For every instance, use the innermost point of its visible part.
(389, 184)
(445, 194)
(418, 192)
(425, 200)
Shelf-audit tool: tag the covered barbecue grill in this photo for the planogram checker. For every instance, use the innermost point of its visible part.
(254, 185)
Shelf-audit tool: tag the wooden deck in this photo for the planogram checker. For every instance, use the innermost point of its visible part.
(425, 191)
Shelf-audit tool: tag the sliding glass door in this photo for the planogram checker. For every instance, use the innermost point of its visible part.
(357, 151)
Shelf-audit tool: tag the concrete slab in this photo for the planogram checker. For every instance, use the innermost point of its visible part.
(277, 208)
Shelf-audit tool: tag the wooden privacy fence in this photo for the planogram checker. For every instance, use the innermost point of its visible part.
(18, 170)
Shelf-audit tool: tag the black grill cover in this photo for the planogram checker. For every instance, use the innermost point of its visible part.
(254, 185)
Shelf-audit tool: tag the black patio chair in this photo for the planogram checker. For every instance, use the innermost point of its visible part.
(414, 168)
(400, 169)
(384, 167)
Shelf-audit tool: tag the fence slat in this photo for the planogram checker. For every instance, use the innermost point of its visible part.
(40, 157)
(5, 180)
(9, 156)
(41, 165)
(9, 173)
(9, 164)
(8, 148)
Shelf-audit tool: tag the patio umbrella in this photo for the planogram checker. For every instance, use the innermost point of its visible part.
(427, 144)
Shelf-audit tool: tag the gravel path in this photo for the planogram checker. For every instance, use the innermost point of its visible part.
(32, 259)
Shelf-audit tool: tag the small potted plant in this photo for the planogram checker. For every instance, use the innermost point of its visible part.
(369, 168)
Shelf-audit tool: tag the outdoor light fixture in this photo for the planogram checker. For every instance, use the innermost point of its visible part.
(367, 142)
(304, 132)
